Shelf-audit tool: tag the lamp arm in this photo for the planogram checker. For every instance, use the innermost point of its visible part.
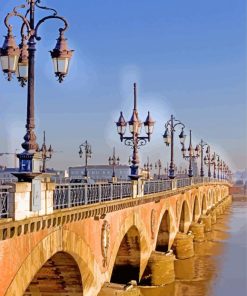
(178, 122)
(17, 14)
(47, 18)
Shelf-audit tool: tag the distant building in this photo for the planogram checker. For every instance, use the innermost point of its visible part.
(100, 172)
(6, 175)
(59, 176)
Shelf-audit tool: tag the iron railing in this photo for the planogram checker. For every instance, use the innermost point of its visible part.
(4, 201)
(157, 186)
(72, 195)
(69, 195)
(183, 182)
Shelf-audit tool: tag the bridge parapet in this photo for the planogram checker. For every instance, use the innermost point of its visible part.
(16, 201)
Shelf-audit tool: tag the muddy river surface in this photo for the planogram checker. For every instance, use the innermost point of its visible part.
(219, 267)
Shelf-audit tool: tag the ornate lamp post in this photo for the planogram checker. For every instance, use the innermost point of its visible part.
(45, 154)
(158, 165)
(192, 155)
(87, 153)
(218, 167)
(135, 141)
(202, 144)
(214, 162)
(169, 139)
(113, 161)
(208, 160)
(21, 62)
(223, 170)
(148, 167)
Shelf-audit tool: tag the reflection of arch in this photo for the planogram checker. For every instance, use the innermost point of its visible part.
(60, 274)
(58, 241)
(184, 217)
(204, 205)
(163, 233)
(127, 262)
(196, 209)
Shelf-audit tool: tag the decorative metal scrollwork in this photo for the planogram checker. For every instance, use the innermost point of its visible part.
(141, 142)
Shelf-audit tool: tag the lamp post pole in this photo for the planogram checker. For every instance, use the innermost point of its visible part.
(148, 166)
(158, 165)
(135, 141)
(218, 167)
(113, 161)
(88, 154)
(191, 155)
(45, 154)
(202, 144)
(21, 62)
(169, 140)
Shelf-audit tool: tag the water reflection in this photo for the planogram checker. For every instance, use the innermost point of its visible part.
(213, 268)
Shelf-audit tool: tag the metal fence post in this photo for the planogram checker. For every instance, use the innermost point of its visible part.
(121, 190)
(100, 188)
(86, 199)
(111, 192)
(69, 197)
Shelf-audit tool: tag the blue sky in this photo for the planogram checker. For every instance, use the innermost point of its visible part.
(187, 57)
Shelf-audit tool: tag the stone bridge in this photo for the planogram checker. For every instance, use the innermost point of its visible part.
(78, 249)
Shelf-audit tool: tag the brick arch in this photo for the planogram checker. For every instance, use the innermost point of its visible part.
(214, 197)
(164, 230)
(196, 208)
(60, 274)
(145, 242)
(210, 198)
(184, 217)
(55, 242)
(127, 262)
(204, 204)
(172, 225)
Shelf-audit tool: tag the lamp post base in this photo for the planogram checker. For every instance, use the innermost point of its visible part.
(29, 166)
(171, 174)
(134, 172)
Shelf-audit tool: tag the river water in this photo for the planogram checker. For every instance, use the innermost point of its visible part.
(219, 267)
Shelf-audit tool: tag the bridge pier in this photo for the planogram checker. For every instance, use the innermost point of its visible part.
(161, 266)
(198, 231)
(183, 244)
(213, 215)
(206, 219)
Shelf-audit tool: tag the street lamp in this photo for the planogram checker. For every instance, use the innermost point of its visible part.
(202, 144)
(214, 162)
(218, 167)
(45, 154)
(192, 155)
(135, 141)
(208, 160)
(113, 161)
(148, 167)
(169, 139)
(87, 153)
(21, 62)
(158, 165)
